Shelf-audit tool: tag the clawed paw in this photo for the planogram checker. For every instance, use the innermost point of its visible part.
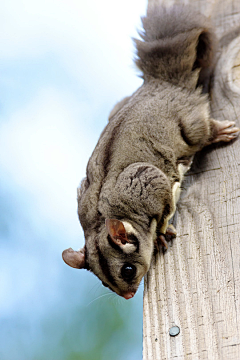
(164, 238)
(226, 131)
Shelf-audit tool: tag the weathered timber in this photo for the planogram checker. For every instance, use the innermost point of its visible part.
(196, 283)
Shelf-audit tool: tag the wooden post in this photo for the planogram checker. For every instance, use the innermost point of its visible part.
(195, 285)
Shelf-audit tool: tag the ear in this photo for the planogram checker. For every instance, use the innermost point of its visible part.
(75, 259)
(117, 231)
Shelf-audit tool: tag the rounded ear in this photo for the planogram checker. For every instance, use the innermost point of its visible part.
(75, 259)
(117, 231)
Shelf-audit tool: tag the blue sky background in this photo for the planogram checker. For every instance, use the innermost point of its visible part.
(63, 66)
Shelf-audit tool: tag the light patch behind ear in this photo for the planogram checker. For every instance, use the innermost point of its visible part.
(75, 259)
(117, 231)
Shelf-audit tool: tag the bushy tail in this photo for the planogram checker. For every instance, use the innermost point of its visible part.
(176, 41)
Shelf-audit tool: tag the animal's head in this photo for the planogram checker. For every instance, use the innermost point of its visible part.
(120, 255)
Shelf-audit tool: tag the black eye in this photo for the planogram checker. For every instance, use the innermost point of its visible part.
(128, 272)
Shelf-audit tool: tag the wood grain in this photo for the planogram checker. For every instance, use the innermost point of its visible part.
(196, 283)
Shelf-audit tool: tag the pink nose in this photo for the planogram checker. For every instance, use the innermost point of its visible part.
(129, 295)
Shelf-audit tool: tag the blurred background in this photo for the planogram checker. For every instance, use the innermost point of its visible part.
(63, 66)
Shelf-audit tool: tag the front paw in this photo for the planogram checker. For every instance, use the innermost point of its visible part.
(162, 239)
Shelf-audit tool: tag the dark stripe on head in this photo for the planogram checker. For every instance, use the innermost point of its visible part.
(134, 240)
(86, 258)
(105, 267)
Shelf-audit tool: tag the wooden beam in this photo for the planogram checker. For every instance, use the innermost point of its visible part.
(195, 285)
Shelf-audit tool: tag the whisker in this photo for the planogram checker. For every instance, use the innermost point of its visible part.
(94, 288)
(114, 297)
(99, 297)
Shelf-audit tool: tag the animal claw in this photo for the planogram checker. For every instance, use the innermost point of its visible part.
(164, 238)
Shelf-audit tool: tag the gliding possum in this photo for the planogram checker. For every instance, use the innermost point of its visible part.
(134, 175)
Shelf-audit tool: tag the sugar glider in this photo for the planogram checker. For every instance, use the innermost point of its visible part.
(134, 175)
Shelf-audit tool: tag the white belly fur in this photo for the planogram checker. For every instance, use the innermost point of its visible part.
(176, 190)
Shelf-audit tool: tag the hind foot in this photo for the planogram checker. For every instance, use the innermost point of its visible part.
(225, 131)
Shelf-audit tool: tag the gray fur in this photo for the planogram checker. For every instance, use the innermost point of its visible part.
(134, 167)
(173, 48)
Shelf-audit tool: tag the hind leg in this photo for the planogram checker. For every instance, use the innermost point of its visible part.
(224, 131)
